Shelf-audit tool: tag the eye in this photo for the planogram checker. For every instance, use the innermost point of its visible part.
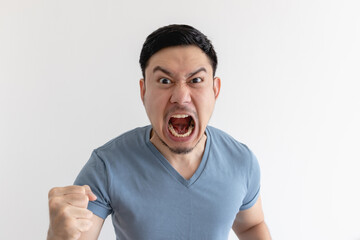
(164, 81)
(196, 80)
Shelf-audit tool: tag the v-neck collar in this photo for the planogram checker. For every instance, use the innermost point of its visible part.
(171, 169)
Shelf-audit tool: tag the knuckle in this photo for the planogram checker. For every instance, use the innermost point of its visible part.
(67, 209)
(84, 198)
(80, 200)
(65, 214)
(69, 224)
(53, 191)
(85, 189)
(54, 203)
(78, 189)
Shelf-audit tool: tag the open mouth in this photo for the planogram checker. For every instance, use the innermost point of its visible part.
(181, 125)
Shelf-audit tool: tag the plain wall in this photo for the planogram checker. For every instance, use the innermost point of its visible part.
(69, 77)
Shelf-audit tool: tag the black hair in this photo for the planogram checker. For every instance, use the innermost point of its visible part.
(176, 35)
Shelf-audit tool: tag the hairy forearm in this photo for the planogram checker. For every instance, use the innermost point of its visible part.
(257, 232)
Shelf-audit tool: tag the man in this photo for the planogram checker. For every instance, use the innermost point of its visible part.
(177, 178)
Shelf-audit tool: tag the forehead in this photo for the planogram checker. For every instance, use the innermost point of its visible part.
(179, 59)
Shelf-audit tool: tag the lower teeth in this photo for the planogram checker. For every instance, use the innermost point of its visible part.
(173, 132)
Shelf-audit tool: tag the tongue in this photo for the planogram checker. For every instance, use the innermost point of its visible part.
(180, 124)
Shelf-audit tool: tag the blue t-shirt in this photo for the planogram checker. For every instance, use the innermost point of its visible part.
(149, 199)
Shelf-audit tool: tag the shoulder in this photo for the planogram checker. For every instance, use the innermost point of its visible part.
(230, 149)
(225, 140)
(137, 134)
(124, 144)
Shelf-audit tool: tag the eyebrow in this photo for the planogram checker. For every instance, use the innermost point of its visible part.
(161, 69)
(202, 69)
(158, 68)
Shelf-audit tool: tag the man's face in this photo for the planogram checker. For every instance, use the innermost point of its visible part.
(179, 95)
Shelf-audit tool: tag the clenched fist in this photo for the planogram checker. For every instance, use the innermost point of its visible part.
(69, 216)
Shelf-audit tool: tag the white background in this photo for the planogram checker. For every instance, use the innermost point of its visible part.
(290, 70)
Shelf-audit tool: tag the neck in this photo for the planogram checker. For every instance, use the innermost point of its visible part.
(185, 163)
(189, 158)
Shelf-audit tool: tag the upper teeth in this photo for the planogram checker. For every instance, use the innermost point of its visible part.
(180, 116)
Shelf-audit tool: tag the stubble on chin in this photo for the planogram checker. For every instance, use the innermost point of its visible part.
(177, 150)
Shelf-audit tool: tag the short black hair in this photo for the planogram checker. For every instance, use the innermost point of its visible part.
(176, 35)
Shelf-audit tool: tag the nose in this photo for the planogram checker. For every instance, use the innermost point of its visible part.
(181, 94)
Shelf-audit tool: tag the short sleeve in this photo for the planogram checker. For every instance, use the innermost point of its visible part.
(253, 183)
(94, 174)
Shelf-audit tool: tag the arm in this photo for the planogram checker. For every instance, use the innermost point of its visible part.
(250, 225)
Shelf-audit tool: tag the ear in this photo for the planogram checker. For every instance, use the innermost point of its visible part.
(142, 89)
(217, 86)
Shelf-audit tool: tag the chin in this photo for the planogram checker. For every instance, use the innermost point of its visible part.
(179, 150)
(182, 146)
